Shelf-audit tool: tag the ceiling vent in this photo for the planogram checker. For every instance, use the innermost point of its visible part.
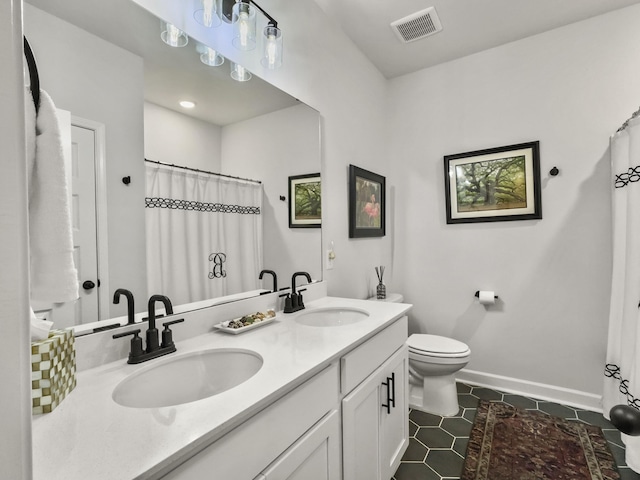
(417, 25)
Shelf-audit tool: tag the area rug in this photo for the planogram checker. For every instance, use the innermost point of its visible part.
(508, 443)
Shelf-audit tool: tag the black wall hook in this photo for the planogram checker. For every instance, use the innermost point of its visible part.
(283, 198)
(126, 180)
(554, 171)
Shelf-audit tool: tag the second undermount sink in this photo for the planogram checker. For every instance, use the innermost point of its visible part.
(331, 317)
(187, 378)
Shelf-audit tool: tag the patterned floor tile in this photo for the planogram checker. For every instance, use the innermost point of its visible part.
(437, 445)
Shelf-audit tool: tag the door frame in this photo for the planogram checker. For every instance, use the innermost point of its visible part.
(102, 232)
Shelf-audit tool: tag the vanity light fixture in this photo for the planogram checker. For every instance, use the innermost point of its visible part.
(173, 36)
(244, 26)
(209, 56)
(272, 54)
(239, 73)
(207, 13)
(187, 104)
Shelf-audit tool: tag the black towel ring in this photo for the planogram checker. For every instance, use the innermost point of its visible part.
(34, 79)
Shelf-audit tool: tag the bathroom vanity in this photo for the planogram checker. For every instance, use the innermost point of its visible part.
(329, 402)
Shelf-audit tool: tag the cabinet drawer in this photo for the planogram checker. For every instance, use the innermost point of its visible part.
(358, 364)
(245, 451)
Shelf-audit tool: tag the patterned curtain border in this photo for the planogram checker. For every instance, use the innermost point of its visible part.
(192, 205)
(612, 370)
(631, 176)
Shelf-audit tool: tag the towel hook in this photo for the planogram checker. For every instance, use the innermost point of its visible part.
(34, 78)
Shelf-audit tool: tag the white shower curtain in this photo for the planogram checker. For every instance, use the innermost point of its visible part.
(622, 371)
(204, 234)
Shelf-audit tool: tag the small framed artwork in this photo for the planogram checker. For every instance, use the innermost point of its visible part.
(366, 203)
(305, 201)
(497, 184)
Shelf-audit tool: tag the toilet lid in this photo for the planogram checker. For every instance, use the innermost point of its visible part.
(421, 342)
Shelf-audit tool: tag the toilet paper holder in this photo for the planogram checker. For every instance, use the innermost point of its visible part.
(478, 294)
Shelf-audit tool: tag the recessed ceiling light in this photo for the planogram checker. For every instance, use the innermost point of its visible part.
(187, 104)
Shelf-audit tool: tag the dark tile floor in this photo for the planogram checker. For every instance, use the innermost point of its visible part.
(438, 444)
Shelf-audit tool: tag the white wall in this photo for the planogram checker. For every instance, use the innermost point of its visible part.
(570, 89)
(172, 137)
(95, 80)
(271, 148)
(15, 355)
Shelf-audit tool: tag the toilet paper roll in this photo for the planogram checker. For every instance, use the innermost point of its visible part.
(487, 297)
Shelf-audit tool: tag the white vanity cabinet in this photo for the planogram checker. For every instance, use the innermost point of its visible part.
(346, 423)
(300, 430)
(375, 414)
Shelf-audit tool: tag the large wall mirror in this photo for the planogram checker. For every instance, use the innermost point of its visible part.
(106, 64)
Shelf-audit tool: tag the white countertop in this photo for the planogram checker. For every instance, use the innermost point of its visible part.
(89, 436)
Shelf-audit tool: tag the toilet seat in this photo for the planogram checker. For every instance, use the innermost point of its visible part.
(437, 346)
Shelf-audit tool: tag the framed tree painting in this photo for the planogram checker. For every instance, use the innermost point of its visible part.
(366, 203)
(497, 184)
(305, 201)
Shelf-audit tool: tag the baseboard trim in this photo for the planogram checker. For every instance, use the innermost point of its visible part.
(541, 391)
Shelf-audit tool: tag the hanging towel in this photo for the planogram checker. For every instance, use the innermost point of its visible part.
(53, 274)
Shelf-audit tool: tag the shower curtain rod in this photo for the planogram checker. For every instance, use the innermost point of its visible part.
(626, 123)
(203, 171)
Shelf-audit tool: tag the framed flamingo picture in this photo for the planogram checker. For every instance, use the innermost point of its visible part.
(366, 203)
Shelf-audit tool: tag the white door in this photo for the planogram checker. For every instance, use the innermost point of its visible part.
(81, 169)
(83, 207)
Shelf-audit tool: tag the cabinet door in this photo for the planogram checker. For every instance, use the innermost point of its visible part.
(361, 431)
(315, 456)
(394, 422)
(375, 422)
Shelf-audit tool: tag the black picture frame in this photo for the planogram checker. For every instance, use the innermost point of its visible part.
(367, 203)
(494, 185)
(305, 201)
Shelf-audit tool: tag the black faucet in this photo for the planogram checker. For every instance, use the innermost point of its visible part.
(275, 278)
(130, 309)
(154, 348)
(294, 301)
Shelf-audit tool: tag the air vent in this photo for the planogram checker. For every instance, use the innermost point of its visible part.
(418, 25)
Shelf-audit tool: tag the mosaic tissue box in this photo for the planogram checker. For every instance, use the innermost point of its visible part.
(53, 370)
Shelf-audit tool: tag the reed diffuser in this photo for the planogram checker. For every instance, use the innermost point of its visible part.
(381, 290)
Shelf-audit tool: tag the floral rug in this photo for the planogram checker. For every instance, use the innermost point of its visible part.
(508, 443)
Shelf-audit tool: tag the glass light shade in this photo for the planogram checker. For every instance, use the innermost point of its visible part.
(244, 26)
(239, 73)
(272, 54)
(209, 56)
(173, 36)
(207, 13)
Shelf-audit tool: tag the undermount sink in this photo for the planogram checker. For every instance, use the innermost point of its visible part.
(187, 378)
(331, 317)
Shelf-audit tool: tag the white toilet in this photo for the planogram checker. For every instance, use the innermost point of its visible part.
(433, 363)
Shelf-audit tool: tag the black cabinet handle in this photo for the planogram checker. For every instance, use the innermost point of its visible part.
(392, 400)
(88, 285)
(389, 398)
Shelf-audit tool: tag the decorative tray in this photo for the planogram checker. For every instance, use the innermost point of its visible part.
(248, 322)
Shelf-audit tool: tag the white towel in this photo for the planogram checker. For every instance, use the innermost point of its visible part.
(53, 274)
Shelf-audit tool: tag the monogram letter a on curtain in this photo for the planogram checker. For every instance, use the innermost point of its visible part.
(622, 375)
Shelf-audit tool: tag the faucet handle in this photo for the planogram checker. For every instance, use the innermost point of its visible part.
(300, 299)
(136, 344)
(167, 334)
